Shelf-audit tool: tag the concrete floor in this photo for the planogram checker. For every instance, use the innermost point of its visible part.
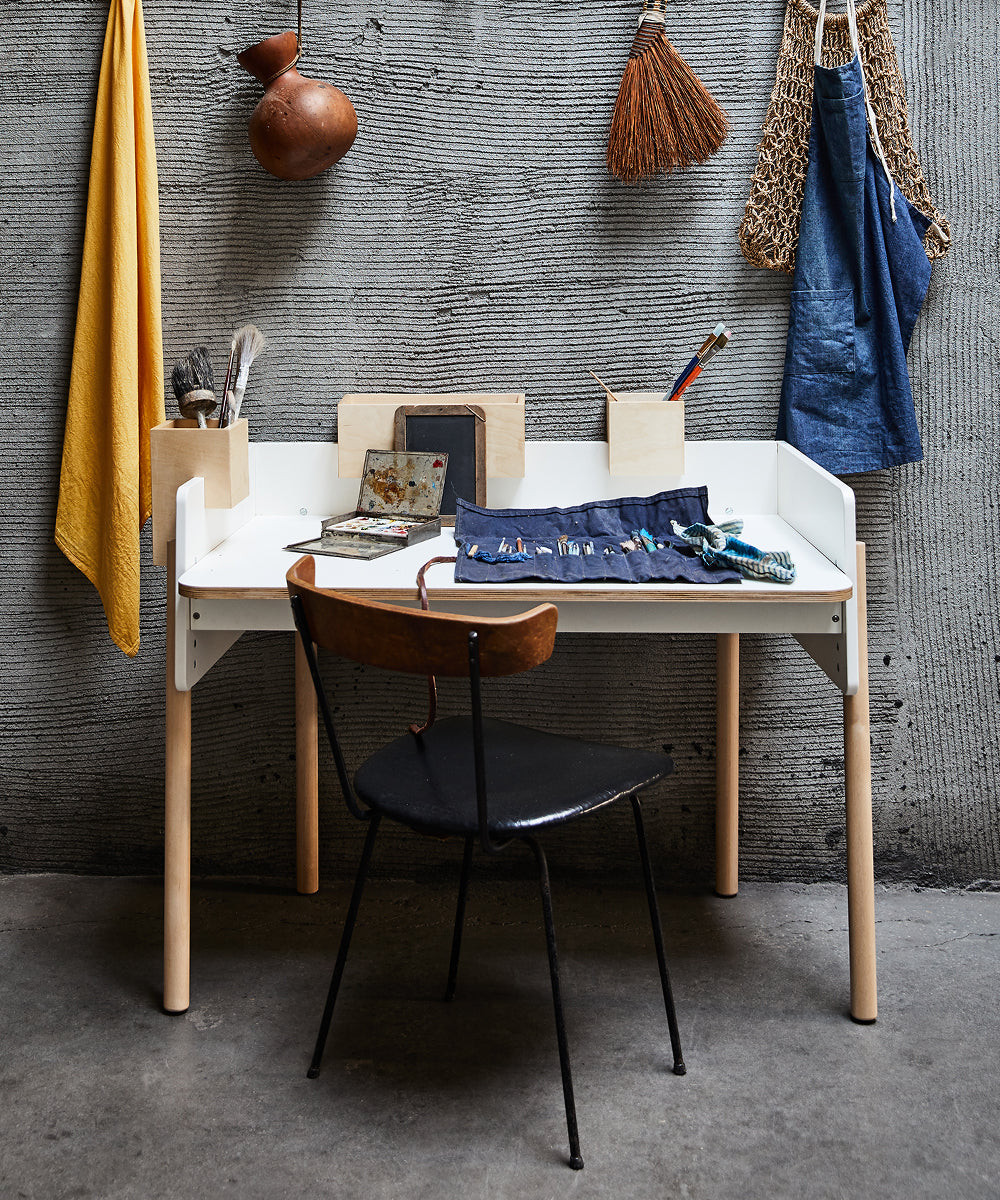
(104, 1096)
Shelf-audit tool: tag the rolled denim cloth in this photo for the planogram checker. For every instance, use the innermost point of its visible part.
(720, 544)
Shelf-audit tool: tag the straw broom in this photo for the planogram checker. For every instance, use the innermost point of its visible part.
(664, 117)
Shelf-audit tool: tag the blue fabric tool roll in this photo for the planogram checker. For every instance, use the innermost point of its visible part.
(603, 522)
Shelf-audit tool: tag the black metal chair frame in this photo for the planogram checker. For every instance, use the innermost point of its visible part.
(490, 847)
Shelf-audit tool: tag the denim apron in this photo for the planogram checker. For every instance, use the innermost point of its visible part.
(861, 276)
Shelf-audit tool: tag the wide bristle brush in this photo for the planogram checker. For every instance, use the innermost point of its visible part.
(249, 343)
(194, 386)
(664, 118)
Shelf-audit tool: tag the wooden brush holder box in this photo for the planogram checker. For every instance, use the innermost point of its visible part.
(645, 434)
(179, 450)
(365, 421)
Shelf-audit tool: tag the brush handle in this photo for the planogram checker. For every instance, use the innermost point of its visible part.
(224, 418)
(687, 383)
(240, 387)
(603, 385)
(681, 379)
(230, 406)
(653, 10)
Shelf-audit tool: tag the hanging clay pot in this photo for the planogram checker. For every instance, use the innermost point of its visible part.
(301, 126)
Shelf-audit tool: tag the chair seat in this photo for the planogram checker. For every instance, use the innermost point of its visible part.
(534, 779)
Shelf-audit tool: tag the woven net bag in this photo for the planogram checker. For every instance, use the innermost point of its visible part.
(769, 231)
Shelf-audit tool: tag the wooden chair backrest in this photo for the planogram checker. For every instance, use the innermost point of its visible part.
(417, 642)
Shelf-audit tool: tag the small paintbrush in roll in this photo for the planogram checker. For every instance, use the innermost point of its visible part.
(194, 386)
(249, 342)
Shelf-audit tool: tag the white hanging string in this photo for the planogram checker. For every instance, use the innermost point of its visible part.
(852, 22)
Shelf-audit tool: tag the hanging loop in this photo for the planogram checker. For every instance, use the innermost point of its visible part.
(298, 53)
(876, 140)
(653, 10)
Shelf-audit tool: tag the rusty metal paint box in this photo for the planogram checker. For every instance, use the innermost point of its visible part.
(399, 504)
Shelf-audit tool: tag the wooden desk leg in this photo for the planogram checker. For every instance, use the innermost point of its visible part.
(727, 764)
(177, 827)
(306, 776)
(860, 856)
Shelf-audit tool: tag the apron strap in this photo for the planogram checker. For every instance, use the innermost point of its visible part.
(852, 23)
(820, 22)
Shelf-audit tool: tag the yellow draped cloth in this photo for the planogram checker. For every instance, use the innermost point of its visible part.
(116, 385)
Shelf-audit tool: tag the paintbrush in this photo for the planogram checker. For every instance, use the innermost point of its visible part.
(698, 357)
(720, 343)
(249, 342)
(194, 386)
(226, 393)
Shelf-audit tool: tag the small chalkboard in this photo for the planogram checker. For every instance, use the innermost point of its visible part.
(458, 430)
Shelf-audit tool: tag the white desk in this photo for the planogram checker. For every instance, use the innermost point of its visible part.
(227, 575)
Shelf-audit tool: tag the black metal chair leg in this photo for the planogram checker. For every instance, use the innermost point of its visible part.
(654, 918)
(345, 944)
(456, 941)
(575, 1158)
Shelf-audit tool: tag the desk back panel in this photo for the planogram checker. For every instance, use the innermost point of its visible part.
(742, 477)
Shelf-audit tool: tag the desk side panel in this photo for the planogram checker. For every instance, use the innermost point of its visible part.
(821, 508)
(195, 651)
(818, 505)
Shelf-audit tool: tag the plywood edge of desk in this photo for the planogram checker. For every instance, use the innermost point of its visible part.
(722, 595)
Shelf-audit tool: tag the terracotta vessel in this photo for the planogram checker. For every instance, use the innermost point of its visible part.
(301, 126)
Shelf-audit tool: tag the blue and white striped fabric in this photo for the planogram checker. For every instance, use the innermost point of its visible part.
(720, 545)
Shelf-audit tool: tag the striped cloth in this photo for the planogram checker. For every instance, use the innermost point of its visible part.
(720, 545)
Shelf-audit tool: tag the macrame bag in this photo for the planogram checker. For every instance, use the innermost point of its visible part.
(769, 232)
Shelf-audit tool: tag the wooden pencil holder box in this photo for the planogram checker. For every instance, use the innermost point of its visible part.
(180, 451)
(645, 434)
(365, 421)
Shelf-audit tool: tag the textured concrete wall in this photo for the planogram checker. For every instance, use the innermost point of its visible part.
(473, 239)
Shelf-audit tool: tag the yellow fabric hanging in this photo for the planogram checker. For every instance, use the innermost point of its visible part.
(116, 385)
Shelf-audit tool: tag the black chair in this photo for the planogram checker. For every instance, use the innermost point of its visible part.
(470, 777)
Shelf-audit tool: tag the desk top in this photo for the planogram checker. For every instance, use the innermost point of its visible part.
(251, 564)
(231, 564)
(786, 503)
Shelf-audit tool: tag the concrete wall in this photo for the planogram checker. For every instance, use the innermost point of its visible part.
(473, 239)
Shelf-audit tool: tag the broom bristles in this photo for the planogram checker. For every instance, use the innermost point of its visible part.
(664, 118)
